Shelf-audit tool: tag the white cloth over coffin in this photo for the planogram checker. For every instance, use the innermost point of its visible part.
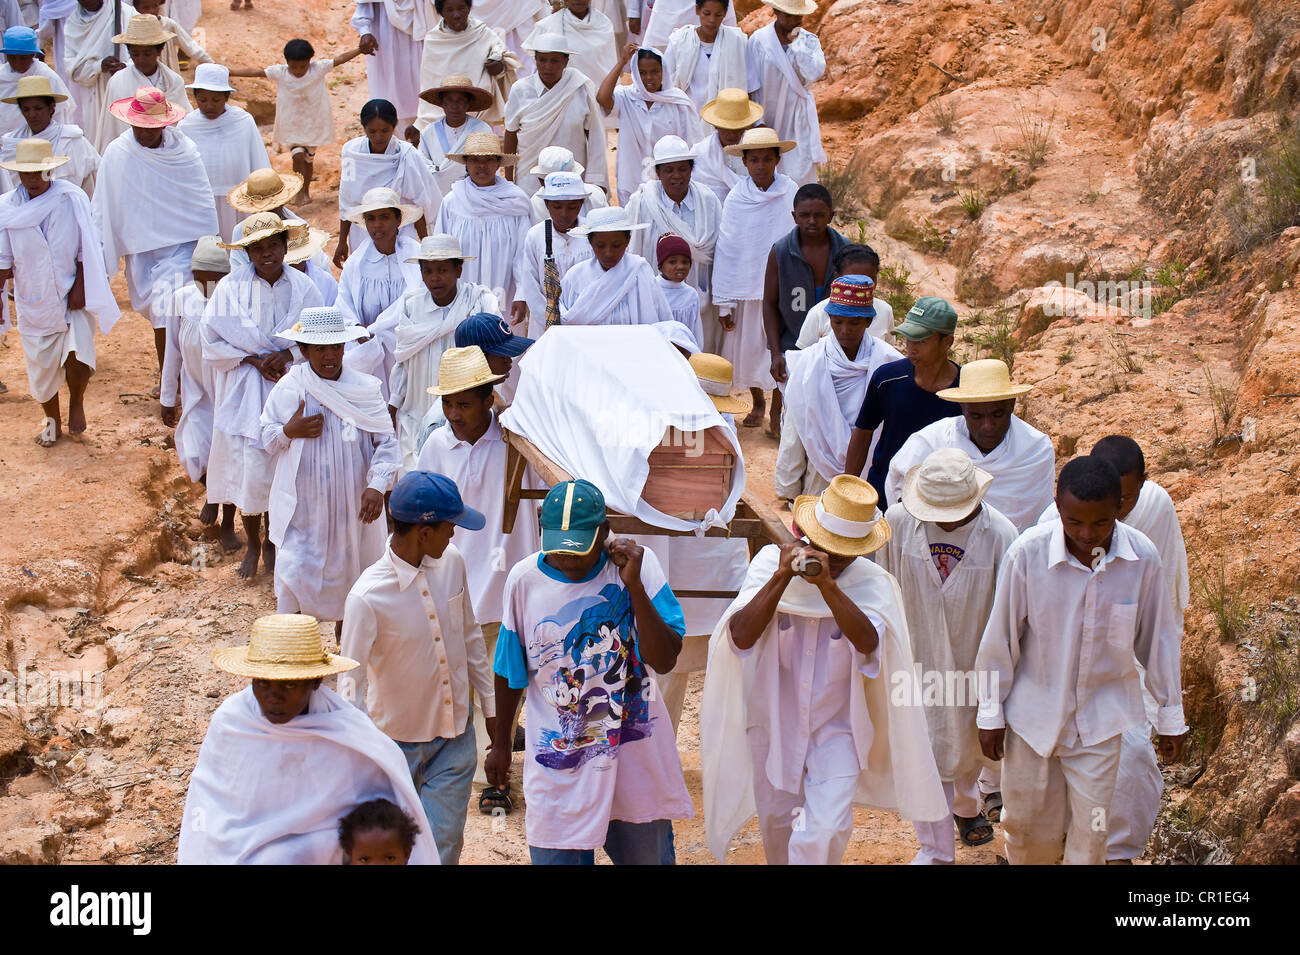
(399, 167)
(714, 169)
(780, 78)
(272, 794)
(372, 281)
(446, 53)
(603, 424)
(231, 148)
(643, 118)
(11, 117)
(438, 139)
(491, 223)
(624, 295)
(898, 768)
(184, 360)
(651, 205)
(567, 250)
(591, 39)
(1023, 465)
(393, 72)
(65, 140)
(726, 67)
(566, 114)
(87, 39)
(125, 83)
(322, 546)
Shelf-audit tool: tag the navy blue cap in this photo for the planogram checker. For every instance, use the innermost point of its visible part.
(425, 497)
(491, 333)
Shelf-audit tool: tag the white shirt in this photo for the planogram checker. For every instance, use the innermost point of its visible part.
(413, 631)
(1061, 638)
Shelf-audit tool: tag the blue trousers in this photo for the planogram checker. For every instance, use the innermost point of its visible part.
(626, 843)
(443, 773)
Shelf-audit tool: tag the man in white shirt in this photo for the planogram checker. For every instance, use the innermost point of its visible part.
(1076, 600)
(409, 624)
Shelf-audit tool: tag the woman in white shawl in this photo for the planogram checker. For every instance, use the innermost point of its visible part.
(391, 33)
(489, 216)
(555, 106)
(753, 217)
(730, 115)
(456, 97)
(644, 113)
(18, 66)
(379, 158)
(614, 286)
(588, 33)
(784, 61)
(514, 20)
(328, 432)
(380, 269)
(38, 101)
(462, 45)
(704, 59)
(90, 58)
(227, 138)
(240, 324)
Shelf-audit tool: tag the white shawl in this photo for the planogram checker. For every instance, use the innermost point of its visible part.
(752, 220)
(789, 106)
(669, 16)
(591, 40)
(714, 169)
(399, 167)
(491, 223)
(624, 295)
(230, 145)
(651, 205)
(540, 122)
(898, 768)
(64, 140)
(266, 793)
(150, 199)
(464, 54)
(639, 129)
(728, 68)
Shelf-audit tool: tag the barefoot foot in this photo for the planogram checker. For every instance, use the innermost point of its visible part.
(248, 566)
(230, 541)
(76, 419)
(209, 513)
(49, 433)
(268, 556)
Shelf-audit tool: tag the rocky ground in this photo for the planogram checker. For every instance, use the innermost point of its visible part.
(1008, 155)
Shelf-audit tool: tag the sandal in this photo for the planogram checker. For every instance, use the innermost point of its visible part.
(752, 420)
(493, 798)
(965, 826)
(993, 807)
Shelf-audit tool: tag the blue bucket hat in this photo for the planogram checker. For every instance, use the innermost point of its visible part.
(491, 333)
(425, 497)
(852, 296)
(21, 41)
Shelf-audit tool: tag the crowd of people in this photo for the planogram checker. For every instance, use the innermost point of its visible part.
(955, 632)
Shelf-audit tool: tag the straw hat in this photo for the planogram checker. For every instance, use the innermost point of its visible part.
(733, 109)
(479, 99)
(144, 29)
(798, 8)
(946, 486)
(608, 219)
(264, 190)
(32, 87)
(322, 325)
(34, 155)
(381, 197)
(439, 247)
(461, 369)
(985, 380)
(149, 108)
(715, 374)
(760, 137)
(483, 144)
(304, 242)
(844, 520)
(283, 646)
(556, 159)
(257, 227)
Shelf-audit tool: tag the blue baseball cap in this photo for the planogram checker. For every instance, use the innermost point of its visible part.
(852, 296)
(571, 517)
(424, 497)
(491, 333)
(21, 41)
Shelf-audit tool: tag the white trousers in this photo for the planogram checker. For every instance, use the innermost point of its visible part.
(990, 780)
(813, 826)
(1062, 797)
(1136, 803)
(939, 839)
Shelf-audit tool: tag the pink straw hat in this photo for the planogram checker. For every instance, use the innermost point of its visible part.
(148, 108)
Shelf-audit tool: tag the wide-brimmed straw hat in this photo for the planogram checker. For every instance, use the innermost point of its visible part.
(323, 325)
(212, 77)
(733, 109)
(715, 375)
(461, 369)
(946, 486)
(844, 519)
(608, 219)
(548, 43)
(439, 247)
(264, 190)
(283, 646)
(381, 197)
(304, 242)
(985, 380)
(34, 155)
(479, 99)
(255, 228)
(483, 144)
(33, 87)
(149, 108)
(144, 29)
(760, 137)
(797, 8)
(556, 159)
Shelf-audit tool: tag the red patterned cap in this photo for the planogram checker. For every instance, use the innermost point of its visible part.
(852, 295)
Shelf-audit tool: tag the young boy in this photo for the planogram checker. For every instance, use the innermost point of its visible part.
(410, 625)
(826, 385)
(330, 438)
(1076, 599)
(303, 119)
(673, 253)
(24, 58)
(851, 260)
(785, 60)
(584, 622)
(377, 833)
(614, 286)
(285, 758)
(144, 39)
(457, 97)
(945, 552)
(564, 195)
(181, 41)
(50, 248)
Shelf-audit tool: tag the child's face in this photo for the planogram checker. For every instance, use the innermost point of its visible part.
(609, 247)
(34, 182)
(482, 170)
(467, 413)
(282, 700)
(578, 8)
(325, 360)
(211, 103)
(440, 277)
(20, 62)
(456, 14)
(38, 111)
(207, 281)
(675, 268)
(298, 68)
(456, 107)
(848, 331)
(563, 212)
(382, 226)
(380, 133)
(711, 14)
(651, 72)
(761, 165)
(145, 58)
(675, 177)
(812, 216)
(378, 847)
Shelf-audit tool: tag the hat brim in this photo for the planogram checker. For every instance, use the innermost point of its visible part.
(291, 185)
(235, 660)
(916, 333)
(13, 100)
(38, 53)
(122, 110)
(923, 511)
(709, 113)
(504, 158)
(805, 515)
(441, 258)
(794, 9)
(246, 240)
(962, 396)
(316, 242)
(730, 404)
(850, 311)
(478, 383)
(541, 194)
(44, 165)
(575, 542)
(480, 99)
(210, 88)
(583, 230)
(512, 347)
(409, 213)
(127, 40)
(350, 333)
(578, 169)
(739, 149)
(680, 157)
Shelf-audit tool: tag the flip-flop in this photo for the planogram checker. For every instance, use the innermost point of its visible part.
(993, 807)
(493, 798)
(965, 826)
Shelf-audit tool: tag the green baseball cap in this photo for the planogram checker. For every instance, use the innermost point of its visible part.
(571, 517)
(930, 315)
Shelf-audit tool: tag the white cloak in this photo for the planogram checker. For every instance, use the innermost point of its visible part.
(87, 39)
(231, 147)
(727, 66)
(64, 140)
(591, 39)
(491, 223)
(780, 79)
(624, 295)
(399, 167)
(565, 115)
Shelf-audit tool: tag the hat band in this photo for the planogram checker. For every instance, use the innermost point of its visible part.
(289, 658)
(718, 389)
(842, 526)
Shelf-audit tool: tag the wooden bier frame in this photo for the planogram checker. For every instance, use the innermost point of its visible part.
(757, 530)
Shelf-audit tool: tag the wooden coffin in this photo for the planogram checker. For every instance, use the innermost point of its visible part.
(690, 473)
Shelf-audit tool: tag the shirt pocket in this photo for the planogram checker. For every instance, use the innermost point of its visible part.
(1115, 660)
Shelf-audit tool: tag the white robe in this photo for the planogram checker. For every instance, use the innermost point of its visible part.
(11, 117)
(464, 54)
(322, 545)
(643, 118)
(651, 205)
(591, 39)
(714, 169)
(393, 73)
(125, 83)
(725, 67)
(780, 78)
(567, 249)
(183, 365)
(684, 303)
(624, 295)
(186, 13)
(491, 223)
(86, 39)
(273, 794)
(399, 167)
(64, 140)
(231, 147)
(372, 281)
(437, 139)
(514, 20)
(565, 115)
(898, 772)
(666, 17)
